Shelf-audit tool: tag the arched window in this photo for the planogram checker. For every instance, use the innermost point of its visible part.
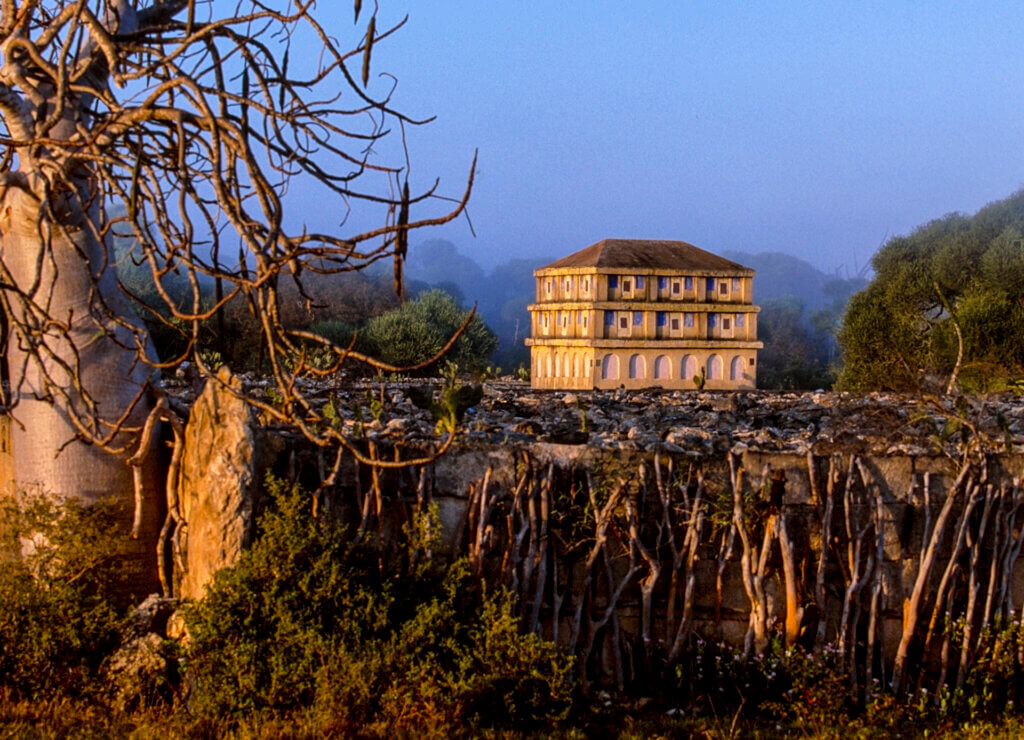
(575, 366)
(637, 367)
(549, 373)
(662, 367)
(538, 368)
(736, 368)
(566, 365)
(610, 367)
(714, 371)
(688, 367)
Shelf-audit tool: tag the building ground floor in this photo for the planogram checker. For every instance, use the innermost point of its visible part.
(672, 365)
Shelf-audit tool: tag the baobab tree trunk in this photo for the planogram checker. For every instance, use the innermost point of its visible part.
(74, 360)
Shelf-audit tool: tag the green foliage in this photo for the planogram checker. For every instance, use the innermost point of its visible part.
(338, 332)
(994, 684)
(454, 401)
(700, 379)
(61, 603)
(419, 330)
(899, 332)
(357, 639)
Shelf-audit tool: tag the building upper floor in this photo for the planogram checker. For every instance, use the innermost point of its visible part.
(644, 271)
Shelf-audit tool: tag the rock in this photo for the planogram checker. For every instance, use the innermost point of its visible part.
(570, 399)
(222, 469)
(566, 437)
(527, 427)
(152, 615)
(142, 673)
(177, 629)
(725, 402)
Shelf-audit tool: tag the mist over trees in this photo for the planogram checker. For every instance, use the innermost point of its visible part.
(801, 312)
(501, 295)
(945, 309)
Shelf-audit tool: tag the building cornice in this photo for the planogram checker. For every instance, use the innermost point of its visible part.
(715, 307)
(650, 344)
(645, 271)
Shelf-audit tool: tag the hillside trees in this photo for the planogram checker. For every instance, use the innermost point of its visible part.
(195, 119)
(794, 357)
(945, 309)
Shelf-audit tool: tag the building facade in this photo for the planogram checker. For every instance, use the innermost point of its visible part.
(640, 314)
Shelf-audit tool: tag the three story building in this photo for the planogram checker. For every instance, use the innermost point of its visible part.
(641, 313)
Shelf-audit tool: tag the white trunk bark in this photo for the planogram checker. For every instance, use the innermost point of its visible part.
(70, 279)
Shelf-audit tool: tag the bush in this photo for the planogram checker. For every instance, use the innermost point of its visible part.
(353, 637)
(419, 330)
(61, 604)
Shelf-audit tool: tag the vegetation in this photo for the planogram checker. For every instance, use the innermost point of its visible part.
(501, 294)
(795, 356)
(366, 637)
(319, 631)
(418, 330)
(945, 309)
(62, 601)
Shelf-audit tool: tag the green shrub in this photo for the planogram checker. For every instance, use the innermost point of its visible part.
(354, 637)
(61, 603)
(335, 331)
(418, 330)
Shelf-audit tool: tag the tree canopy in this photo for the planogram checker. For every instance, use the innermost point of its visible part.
(945, 308)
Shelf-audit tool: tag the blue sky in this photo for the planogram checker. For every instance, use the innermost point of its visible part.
(816, 129)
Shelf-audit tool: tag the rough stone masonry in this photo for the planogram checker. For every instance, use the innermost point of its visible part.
(631, 523)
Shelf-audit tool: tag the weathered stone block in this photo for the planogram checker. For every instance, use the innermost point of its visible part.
(224, 459)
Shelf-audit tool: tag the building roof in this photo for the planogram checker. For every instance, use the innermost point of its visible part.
(648, 253)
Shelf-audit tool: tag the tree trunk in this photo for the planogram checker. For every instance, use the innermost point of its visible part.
(71, 385)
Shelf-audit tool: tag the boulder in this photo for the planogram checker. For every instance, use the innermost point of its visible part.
(222, 469)
(142, 673)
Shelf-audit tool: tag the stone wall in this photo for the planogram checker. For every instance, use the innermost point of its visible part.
(620, 519)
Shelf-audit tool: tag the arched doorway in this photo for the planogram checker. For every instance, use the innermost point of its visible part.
(714, 369)
(736, 368)
(637, 367)
(610, 367)
(688, 367)
(662, 367)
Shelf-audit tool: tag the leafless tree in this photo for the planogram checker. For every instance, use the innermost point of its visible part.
(180, 124)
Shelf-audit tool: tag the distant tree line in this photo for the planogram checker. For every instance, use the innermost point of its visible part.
(358, 310)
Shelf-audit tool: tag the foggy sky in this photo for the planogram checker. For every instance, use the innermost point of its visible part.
(816, 129)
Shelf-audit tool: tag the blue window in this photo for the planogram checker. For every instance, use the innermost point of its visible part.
(741, 320)
(735, 283)
(579, 317)
(639, 282)
(711, 285)
(559, 319)
(688, 283)
(661, 319)
(687, 319)
(712, 320)
(638, 318)
(613, 282)
(663, 283)
(609, 318)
